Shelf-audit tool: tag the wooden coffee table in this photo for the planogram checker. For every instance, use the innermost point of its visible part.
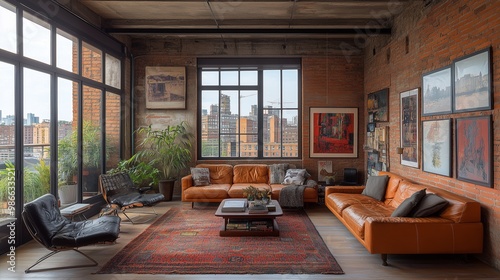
(262, 224)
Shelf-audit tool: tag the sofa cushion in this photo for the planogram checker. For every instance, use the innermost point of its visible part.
(236, 190)
(277, 173)
(356, 215)
(430, 205)
(405, 190)
(392, 185)
(408, 204)
(251, 173)
(213, 191)
(219, 173)
(295, 176)
(201, 176)
(376, 186)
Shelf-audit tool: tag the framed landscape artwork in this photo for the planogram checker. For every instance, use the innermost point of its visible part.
(436, 147)
(472, 82)
(165, 88)
(378, 105)
(437, 92)
(409, 127)
(334, 132)
(473, 150)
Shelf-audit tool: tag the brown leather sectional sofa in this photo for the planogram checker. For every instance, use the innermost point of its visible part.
(227, 181)
(457, 229)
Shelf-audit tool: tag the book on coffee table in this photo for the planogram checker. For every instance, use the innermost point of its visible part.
(257, 209)
(234, 206)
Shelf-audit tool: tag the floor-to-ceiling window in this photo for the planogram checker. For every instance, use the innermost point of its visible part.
(57, 82)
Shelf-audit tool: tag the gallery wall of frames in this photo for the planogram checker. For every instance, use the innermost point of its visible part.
(463, 88)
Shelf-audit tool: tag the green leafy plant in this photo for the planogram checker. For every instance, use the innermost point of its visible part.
(141, 173)
(168, 149)
(253, 193)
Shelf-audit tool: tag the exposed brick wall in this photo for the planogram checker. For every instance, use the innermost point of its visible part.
(437, 35)
(328, 80)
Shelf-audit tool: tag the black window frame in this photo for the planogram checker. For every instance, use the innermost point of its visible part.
(258, 64)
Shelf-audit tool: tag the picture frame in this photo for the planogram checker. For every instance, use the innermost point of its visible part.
(472, 82)
(378, 105)
(474, 150)
(437, 92)
(165, 87)
(409, 104)
(333, 132)
(436, 147)
(325, 169)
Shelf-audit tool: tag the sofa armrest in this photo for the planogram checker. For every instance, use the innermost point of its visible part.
(344, 189)
(187, 182)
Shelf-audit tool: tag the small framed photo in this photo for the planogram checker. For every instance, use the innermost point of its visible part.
(436, 154)
(409, 127)
(378, 105)
(473, 150)
(370, 127)
(334, 132)
(472, 82)
(165, 87)
(437, 92)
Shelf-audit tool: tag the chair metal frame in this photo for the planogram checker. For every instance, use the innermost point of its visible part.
(53, 250)
(125, 182)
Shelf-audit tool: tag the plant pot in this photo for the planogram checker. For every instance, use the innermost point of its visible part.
(67, 194)
(166, 187)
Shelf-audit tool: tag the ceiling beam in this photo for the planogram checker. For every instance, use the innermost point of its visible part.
(177, 31)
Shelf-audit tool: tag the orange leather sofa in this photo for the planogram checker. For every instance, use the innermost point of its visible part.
(227, 181)
(457, 229)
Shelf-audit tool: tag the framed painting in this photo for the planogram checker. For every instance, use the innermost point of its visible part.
(437, 92)
(473, 150)
(165, 87)
(436, 147)
(378, 105)
(409, 127)
(472, 82)
(334, 132)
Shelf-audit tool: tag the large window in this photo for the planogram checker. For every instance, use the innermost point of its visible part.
(249, 108)
(60, 108)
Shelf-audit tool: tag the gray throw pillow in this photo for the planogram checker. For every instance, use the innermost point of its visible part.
(277, 173)
(295, 177)
(430, 205)
(201, 176)
(375, 187)
(408, 204)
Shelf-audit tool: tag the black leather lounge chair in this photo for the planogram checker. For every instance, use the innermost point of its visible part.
(56, 233)
(120, 193)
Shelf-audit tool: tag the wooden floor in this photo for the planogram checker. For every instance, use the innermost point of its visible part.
(356, 262)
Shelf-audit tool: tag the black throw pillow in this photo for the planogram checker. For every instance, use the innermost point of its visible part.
(375, 187)
(408, 204)
(430, 205)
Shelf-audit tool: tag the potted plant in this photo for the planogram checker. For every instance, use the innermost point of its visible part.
(141, 173)
(167, 149)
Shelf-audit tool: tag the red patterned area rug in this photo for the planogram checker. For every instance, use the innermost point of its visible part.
(187, 241)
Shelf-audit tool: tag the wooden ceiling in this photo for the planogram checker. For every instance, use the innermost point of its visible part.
(244, 18)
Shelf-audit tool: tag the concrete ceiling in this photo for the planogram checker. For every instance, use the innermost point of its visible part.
(247, 18)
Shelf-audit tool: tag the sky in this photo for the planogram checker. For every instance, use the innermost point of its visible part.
(36, 85)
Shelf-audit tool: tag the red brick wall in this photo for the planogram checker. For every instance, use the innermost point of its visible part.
(437, 35)
(332, 81)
